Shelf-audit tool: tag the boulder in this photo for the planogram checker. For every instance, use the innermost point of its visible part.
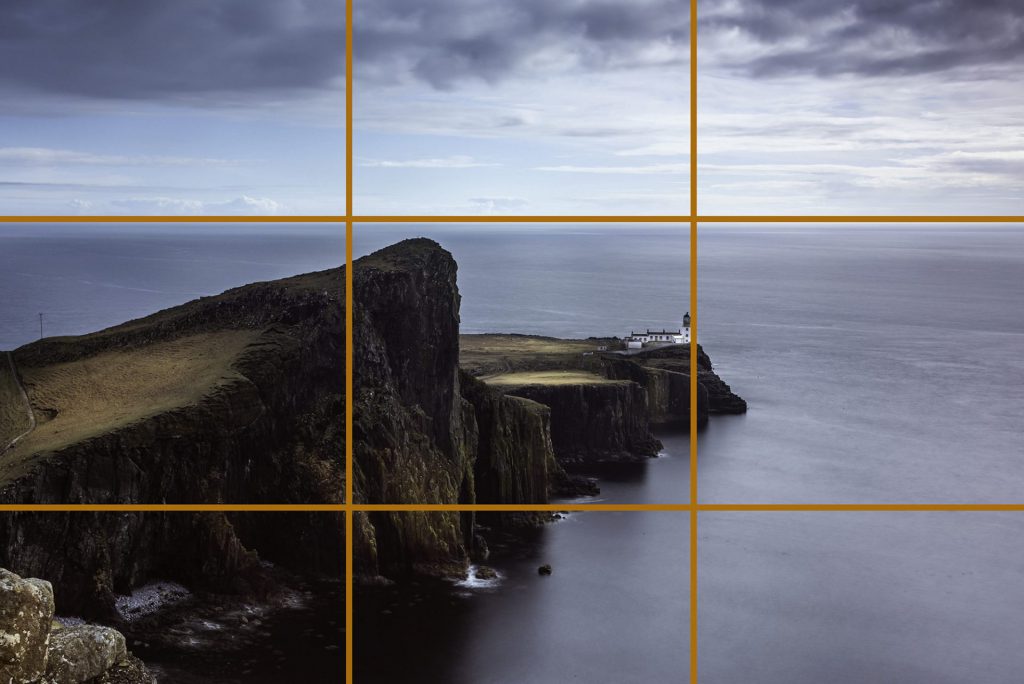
(131, 670)
(484, 572)
(80, 654)
(26, 610)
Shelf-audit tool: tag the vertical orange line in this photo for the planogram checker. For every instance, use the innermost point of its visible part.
(348, 597)
(349, 360)
(693, 342)
(348, 108)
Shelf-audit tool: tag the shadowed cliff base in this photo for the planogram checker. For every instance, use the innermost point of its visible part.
(444, 419)
(232, 398)
(200, 597)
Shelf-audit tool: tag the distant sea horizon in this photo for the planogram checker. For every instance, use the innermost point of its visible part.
(87, 277)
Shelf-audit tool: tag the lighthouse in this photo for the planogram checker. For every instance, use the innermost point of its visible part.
(658, 338)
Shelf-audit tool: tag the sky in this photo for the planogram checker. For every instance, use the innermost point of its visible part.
(172, 107)
(581, 107)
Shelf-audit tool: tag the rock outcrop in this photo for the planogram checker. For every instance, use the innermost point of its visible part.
(34, 649)
(717, 395)
(26, 611)
(424, 432)
(607, 421)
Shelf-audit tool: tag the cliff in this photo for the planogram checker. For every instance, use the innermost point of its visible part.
(719, 396)
(496, 431)
(594, 420)
(232, 398)
(424, 432)
(92, 557)
(235, 398)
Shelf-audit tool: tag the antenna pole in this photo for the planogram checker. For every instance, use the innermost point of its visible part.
(40, 326)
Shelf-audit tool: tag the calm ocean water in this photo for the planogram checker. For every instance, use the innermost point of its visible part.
(881, 364)
(84, 278)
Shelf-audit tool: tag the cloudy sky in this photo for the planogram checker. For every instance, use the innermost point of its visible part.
(172, 106)
(581, 106)
(524, 107)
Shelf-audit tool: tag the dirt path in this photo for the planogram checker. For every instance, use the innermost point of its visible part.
(28, 407)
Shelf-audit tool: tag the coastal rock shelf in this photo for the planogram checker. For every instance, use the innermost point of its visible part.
(447, 419)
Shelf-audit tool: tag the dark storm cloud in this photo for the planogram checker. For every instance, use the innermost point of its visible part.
(872, 37)
(443, 42)
(165, 49)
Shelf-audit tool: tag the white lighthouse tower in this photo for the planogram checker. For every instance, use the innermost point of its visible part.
(686, 328)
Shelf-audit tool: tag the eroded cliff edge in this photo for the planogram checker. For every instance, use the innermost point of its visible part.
(231, 398)
(499, 428)
(235, 398)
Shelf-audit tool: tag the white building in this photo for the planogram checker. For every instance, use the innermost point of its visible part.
(657, 338)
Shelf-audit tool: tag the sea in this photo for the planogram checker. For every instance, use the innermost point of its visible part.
(883, 364)
(86, 277)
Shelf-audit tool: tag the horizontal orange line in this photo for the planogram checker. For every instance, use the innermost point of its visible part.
(859, 507)
(860, 219)
(172, 219)
(521, 219)
(686, 219)
(126, 508)
(516, 508)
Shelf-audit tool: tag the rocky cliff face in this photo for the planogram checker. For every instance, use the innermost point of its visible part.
(92, 557)
(273, 434)
(34, 649)
(426, 433)
(606, 421)
(423, 432)
(717, 397)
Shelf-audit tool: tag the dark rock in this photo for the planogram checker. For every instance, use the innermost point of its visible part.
(82, 653)
(130, 670)
(486, 573)
(572, 486)
(544, 570)
(596, 422)
(26, 613)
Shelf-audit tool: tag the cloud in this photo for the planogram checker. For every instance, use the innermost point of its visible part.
(171, 50)
(649, 169)
(446, 42)
(168, 206)
(44, 156)
(452, 162)
(496, 205)
(868, 38)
